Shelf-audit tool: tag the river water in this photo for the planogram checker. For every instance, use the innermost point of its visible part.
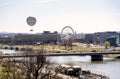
(109, 67)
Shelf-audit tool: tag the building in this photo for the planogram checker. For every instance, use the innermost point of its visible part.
(101, 37)
(24, 38)
(5, 40)
(45, 37)
(114, 40)
(89, 38)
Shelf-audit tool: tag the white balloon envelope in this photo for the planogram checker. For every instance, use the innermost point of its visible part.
(31, 21)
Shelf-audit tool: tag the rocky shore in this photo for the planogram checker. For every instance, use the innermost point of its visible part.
(75, 72)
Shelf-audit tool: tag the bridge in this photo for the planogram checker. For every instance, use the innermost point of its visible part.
(95, 56)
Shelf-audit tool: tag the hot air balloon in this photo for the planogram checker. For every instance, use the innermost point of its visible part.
(31, 21)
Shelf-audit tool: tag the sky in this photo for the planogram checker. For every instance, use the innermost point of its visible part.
(84, 16)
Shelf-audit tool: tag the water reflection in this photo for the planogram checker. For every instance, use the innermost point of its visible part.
(8, 51)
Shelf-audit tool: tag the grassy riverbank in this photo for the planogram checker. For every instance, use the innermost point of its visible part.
(59, 49)
(55, 48)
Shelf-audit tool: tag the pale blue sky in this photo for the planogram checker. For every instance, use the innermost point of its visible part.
(86, 16)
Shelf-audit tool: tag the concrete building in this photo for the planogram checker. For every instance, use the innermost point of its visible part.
(5, 40)
(24, 38)
(114, 40)
(45, 37)
(101, 37)
(89, 38)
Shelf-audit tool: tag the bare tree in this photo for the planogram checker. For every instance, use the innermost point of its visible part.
(37, 67)
(34, 66)
(68, 43)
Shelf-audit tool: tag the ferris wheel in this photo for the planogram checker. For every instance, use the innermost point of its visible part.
(67, 33)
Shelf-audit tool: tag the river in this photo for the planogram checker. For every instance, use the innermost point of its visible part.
(109, 67)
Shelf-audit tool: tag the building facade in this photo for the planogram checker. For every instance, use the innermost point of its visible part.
(101, 37)
(42, 38)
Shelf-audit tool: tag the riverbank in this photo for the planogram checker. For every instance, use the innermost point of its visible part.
(63, 71)
(55, 48)
(77, 72)
(71, 58)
